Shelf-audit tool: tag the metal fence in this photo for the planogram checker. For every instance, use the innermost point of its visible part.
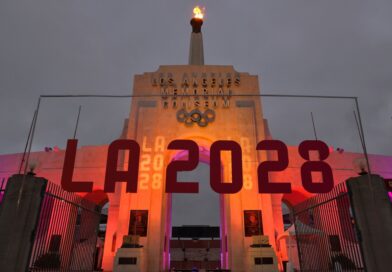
(66, 233)
(327, 238)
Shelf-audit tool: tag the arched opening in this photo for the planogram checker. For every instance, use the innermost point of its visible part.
(288, 244)
(101, 199)
(196, 224)
(101, 236)
(287, 214)
(288, 237)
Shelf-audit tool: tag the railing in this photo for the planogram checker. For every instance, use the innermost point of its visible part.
(66, 233)
(327, 238)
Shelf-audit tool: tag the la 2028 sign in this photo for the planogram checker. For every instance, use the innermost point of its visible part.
(130, 175)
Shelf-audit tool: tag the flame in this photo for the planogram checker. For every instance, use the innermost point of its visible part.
(198, 12)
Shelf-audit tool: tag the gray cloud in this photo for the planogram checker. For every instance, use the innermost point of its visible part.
(308, 47)
(323, 47)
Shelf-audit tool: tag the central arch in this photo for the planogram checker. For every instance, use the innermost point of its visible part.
(204, 144)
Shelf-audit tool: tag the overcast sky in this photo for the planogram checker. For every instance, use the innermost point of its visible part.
(322, 47)
(315, 47)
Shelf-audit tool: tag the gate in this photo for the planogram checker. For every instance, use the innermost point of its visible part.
(66, 232)
(327, 238)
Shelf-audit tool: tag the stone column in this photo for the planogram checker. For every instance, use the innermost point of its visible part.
(19, 213)
(373, 216)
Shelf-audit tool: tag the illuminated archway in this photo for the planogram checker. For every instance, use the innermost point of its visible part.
(154, 123)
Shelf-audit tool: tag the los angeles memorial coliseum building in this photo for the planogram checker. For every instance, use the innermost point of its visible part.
(202, 103)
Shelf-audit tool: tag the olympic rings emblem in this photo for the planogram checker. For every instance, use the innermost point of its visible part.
(196, 116)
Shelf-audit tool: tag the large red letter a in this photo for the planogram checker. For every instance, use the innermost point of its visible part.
(130, 176)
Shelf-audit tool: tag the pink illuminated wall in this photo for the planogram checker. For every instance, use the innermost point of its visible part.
(91, 163)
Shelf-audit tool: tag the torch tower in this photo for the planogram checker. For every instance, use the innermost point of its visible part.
(196, 52)
(204, 103)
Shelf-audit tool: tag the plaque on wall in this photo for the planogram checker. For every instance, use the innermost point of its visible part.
(138, 223)
(253, 223)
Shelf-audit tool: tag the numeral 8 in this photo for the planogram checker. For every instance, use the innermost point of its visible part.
(315, 166)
